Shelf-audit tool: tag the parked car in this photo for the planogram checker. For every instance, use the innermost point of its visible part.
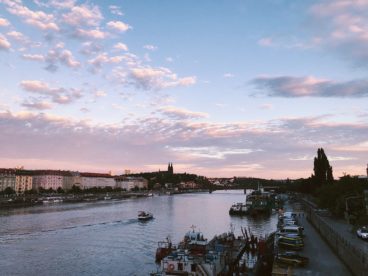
(362, 233)
(292, 258)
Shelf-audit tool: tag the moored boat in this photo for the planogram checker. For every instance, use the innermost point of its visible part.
(51, 200)
(239, 209)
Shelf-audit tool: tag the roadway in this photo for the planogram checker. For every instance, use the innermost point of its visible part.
(322, 260)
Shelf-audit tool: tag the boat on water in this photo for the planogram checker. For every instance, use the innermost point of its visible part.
(144, 216)
(52, 200)
(239, 209)
(190, 257)
(164, 248)
(258, 202)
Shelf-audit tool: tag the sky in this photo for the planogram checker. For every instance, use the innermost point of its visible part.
(218, 88)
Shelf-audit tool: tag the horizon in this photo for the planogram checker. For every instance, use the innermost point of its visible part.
(220, 89)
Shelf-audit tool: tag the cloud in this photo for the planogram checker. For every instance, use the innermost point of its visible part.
(210, 152)
(266, 106)
(38, 19)
(59, 55)
(115, 10)
(288, 86)
(150, 47)
(67, 58)
(62, 4)
(341, 25)
(229, 75)
(150, 78)
(100, 93)
(57, 95)
(118, 26)
(265, 42)
(169, 59)
(121, 46)
(41, 105)
(182, 114)
(4, 22)
(83, 15)
(17, 36)
(241, 148)
(35, 57)
(90, 34)
(90, 48)
(103, 58)
(4, 43)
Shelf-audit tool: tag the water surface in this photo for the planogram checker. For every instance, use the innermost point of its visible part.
(105, 238)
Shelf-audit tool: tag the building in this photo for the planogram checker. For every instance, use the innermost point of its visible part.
(47, 179)
(170, 168)
(96, 180)
(129, 182)
(188, 185)
(71, 179)
(23, 181)
(7, 179)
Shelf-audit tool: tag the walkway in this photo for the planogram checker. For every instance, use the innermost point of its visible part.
(322, 260)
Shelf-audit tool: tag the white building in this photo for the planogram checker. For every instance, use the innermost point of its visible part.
(71, 179)
(129, 182)
(96, 180)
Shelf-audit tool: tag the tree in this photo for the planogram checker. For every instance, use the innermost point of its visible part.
(75, 190)
(322, 169)
(60, 190)
(9, 191)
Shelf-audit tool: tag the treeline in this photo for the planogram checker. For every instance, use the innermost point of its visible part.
(343, 196)
(158, 180)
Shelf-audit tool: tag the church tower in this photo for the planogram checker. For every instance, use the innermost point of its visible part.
(170, 168)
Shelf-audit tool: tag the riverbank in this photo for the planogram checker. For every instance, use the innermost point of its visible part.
(34, 200)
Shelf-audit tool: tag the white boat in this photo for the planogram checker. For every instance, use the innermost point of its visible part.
(142, 216)
(51, 200)
(239, 209)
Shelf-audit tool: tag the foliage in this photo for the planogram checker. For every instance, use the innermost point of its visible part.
(163, 177)
(9, 191)
(334, 196)
(322, 170)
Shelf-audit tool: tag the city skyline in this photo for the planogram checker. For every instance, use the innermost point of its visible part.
(218, 88)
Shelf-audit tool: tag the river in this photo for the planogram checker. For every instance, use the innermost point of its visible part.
(105, 238)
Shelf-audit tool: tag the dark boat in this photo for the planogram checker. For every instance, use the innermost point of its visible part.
(143, 216)
(164, 249)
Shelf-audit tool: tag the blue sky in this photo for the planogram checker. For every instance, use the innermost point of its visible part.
(219, 88)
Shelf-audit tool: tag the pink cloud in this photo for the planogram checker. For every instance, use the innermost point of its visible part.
(118, 26)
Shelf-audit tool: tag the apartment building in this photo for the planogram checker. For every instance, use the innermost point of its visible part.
(129, 182)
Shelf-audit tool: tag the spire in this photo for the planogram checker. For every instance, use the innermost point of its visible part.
(170, 168)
